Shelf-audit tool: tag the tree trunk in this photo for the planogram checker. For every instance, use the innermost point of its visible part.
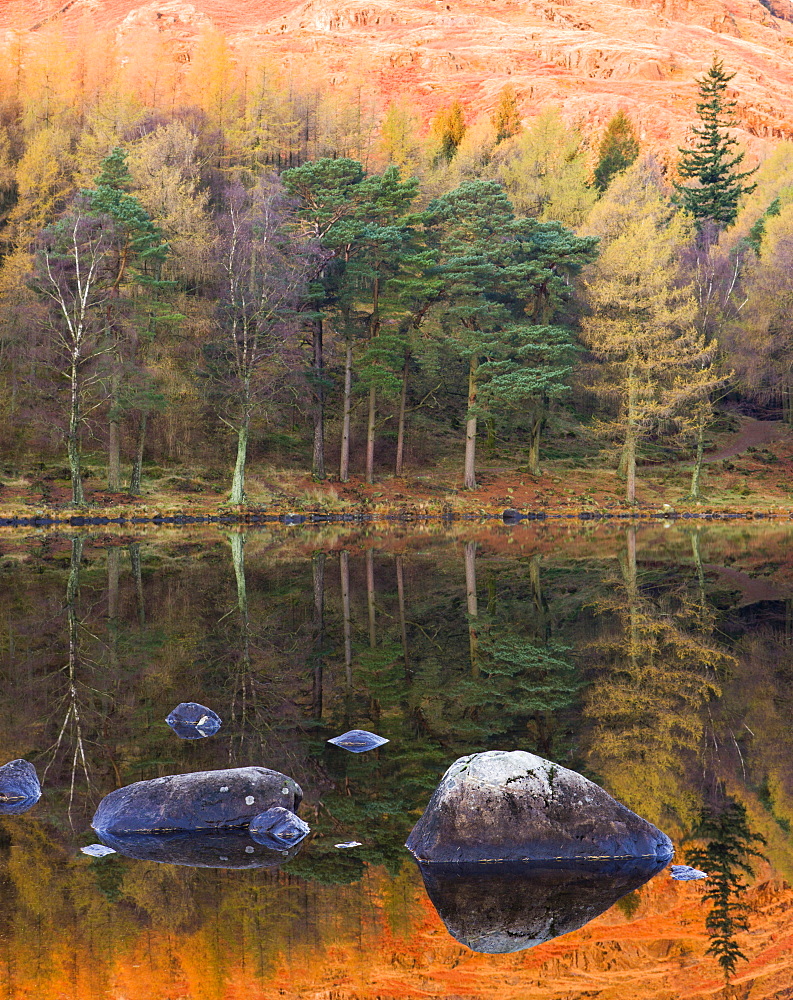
(137, 462)
(344, 460)
(630, 580)
(697, 471)
(238, 482)
(370, 435)
(473, 608)
(73, 439)
(630, 444)
(370, 597)
(400, 576)
(344, 570)
(469, 479)
(237, 542)
(114, 438)
(403, 397)
(318, 456)
(318, 574)
(535, 435)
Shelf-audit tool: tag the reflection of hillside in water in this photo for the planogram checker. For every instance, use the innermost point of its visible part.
(579, 648)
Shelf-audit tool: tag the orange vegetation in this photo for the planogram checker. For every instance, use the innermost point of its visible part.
(590, 56)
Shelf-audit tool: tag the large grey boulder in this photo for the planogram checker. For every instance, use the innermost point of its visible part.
(203, 800)
(514, 806)
(509, 906)
(19, 787)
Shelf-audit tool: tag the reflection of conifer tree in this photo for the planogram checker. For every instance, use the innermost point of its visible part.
(134, 558)
(649, 696)
(726, 857)
(400, 578)
(344, 573)
(318, 577)
(472, 605)
(370, 597)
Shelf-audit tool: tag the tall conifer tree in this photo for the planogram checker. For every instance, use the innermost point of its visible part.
(711, 161)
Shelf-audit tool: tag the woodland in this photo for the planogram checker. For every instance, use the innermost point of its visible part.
(209, 272)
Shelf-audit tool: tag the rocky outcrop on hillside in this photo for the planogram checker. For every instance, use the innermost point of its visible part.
(591, 56)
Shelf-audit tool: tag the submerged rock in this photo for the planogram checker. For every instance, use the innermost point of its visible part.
(682, 873)
(199, 849)
(510, 906)
(515, 806)
(203, 800)
(358, 741)
(19, 787)
(97, 850)
(191, 721)
(278, 828)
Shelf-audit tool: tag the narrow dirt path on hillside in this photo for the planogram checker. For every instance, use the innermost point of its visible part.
(752, 434)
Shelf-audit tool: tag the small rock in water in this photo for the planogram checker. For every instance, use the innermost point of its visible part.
(19, 787)
(358, 741)
(277, 828)
(191, 721)
(97, 850)
(685, 874)
(349, 843)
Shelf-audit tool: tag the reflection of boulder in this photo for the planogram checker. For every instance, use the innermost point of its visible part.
(19, 787)
(191, 721)
(205, 849)
(204, 800)
(509, 906)
(514, 806)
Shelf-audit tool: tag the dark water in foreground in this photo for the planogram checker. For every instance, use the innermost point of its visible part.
(659, 663)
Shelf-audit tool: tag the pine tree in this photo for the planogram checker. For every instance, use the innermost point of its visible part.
(711, 162)
(618, 148)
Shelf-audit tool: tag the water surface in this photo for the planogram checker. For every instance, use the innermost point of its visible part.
(656, 661)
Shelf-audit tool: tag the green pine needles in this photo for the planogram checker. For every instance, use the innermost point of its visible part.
(712, 161)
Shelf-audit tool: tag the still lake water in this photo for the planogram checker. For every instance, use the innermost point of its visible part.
(657, 661)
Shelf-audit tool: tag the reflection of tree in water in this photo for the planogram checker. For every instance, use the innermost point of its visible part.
(729, 846)
(657, 670)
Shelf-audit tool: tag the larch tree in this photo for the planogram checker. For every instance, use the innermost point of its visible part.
(640, 318)
(711, 161)
(545, 171)
(618, 148)
(506, 114)
(448, 128)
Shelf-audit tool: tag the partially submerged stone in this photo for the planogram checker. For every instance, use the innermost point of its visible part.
(278, 828)
(510, 906)
(19, 787)
(202, 800)
(199, 849)
(358, 741)
(682, 873)
(192, 721)
(515, 806)
(97, 850)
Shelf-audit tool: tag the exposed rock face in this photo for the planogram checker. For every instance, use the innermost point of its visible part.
(510, 906)
(19, 787)
(514, 806)
(207, 849)
(204, 800)
(593, 58)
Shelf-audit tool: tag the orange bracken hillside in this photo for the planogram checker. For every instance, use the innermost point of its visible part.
(593, 56)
